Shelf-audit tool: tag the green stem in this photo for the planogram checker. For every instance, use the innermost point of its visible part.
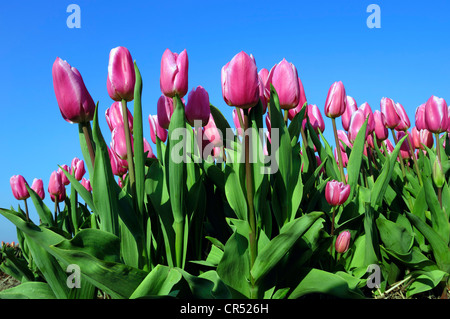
(401, 159)
(438, 154)
(26, 209)
(286, 117)
(332, 221)
(56, 207)
(88, 142)
(130, 160)
(341, 167)
(416, 165)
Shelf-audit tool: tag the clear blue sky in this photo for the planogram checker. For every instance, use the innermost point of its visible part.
(407, 59)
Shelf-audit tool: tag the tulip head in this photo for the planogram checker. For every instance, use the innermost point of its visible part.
(212, 133)
(301, 101)
(114, 116)
(336, 101)
(315, 118)
(74, 101)
(55, 184)
(77, 166)
(420, 117)
(174, 73)
(336, 193)
(64, 178)
(421, 138)
(156, 130)
(342, 242)
(284, 78)
(387, 106)
(38, 187)
(438, 174)
(148, 148)
(121, 75)
(381, 130)
(18, 187)
(164, 111)
(118, 142)
(350, 108)
(436, 115)
(197, 107)
(404, 123)
(119, 166)
(240, 81)
(87, 184)
(356, 122)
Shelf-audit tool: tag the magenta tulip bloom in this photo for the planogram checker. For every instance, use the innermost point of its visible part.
(164, 111)
(336, 193)
(121, 75)
(343, 154)
(301, 101)
(421, 138)
(405, 151)
(356, 122)
(148, 148)
(342, 242)
(381, 130)
(404, 123)
(114, 116)
(77, 165)
(315, 118)
(38, 187)
(389, 110)
(61, 197)
(240, 81)
(174, 73)
(264, 91)
(18, 187)
(436, 115)
(156, 129)
(64, 178)
(367, 110)
(284, 78)
(420, 117)
(336, 101)
(119, 166)
(350, 108)
(389, 146)
(87, 184)
(343, 138)
(55, 184)
(118, 143)
(197, 107)
(212, 133)
(74, 101)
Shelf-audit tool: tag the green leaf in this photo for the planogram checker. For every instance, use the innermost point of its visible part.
(234, 193)
(394, 236)
(43, 211)
(355, 159)
(29, 290)
(159, 282)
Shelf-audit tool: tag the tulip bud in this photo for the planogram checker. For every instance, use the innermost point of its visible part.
(389, 146)
(350, 108)
(87, 184)
(74, 101)
(387, 107)
(438, 174)
(118, 142)
(240, 81)
(436, 115)
(404, 148)
(343, 242)
(336, 101)
(55, 184)
(156, 129)
(197, 107)
(315, 118)
(336, 193)
(61, 197)
(367, 110)
(343, 138)
(420, 117)
(119, 166)
(121, 75)
(284, 78)
(77, 165)
(263, 75)
(38, 187)
(148, 148)
(421, 138)
(404, 122)
(114, 116)
(164, 111)
(356, 122)
(64, 178)
(379, 120)
(301, 101)
(18, 187)
(212, 133)
(174, 73)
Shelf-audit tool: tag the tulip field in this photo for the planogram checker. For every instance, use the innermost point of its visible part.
(263, 207)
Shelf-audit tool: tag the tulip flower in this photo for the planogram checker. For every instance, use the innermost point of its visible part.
(55, 184)
(264, 91)
(64, 178)
(381, 130)
(121, 75)
(61, 197)
(114, 116)
(336, 193)
(344, 156)
(18, 187)
(148, 148)
(315, 118)
(301, 101)
(404, 122)
(336, 101)
(342, 242)
(367, 110)
(77, 166)
(174, 73)
(284, 78)
(350, 108)
(87, 184)
(356, 122)
(343, 138)
(240, 81)
(118, 143)
(421, 138)
(387, 106)
(212, 133)
(197, 107)
(436, 115)
(119, 166)
(164, 111)
(404, 148)
(74, 101)
(156, 129)
(420, 117)
(38, 187)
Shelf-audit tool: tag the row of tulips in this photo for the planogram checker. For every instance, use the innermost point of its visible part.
(210, 226)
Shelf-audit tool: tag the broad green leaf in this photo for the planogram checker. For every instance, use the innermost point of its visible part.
(394, 236)
(234, 193)
(29, 290)
(355, 159)
(43, 211)
(159, 282)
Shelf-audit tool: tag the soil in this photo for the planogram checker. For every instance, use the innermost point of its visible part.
(7, 281)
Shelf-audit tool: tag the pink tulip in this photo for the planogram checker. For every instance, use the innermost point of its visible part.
(118, 143)
(284, 78)
(350, 108)
(404, 123)
(421, 138)
(61, 197)
(197, 107)
(389, 146)
(389, 110)
(336, 193)
(74, 101)
(336, 101)
(342, 242)
(301, 101)
(237, 122)
(405, 151)
(240, 81)
(263, 75)
(18, 187)
(212, 133)
(343, 154)
(38, 187)
(77, 165)
(164, 111)
(156, 130)
(64, 178)
(55, 184)
(87, 184)
(174, 73)
(381, 131)
(315, 118)
(368, 114)
(356, 122)
(119, 166)
(420, 117)
(114, 116)
(121, 75)
(343, 138)
(436, 115)
(148, 148)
